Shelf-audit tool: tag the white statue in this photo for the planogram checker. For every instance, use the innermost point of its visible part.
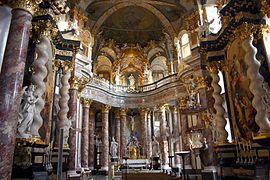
(98, 143)
(155, 147)
(27, 111)
(117, 75)
(132, 123)
(131, 82)
(204, 29)
(191, 86)
(114, 147)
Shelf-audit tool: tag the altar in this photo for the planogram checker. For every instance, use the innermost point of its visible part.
(135, 163)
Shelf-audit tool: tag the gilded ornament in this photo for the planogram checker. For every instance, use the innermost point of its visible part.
(74, 82)
(28, 5)
(106, 108)
(86, 102)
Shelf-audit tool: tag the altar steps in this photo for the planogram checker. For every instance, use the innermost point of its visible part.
(147, 176)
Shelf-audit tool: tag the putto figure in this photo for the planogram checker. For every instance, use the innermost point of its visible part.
(27, 111)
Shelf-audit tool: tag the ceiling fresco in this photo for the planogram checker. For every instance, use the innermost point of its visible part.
(132, 25)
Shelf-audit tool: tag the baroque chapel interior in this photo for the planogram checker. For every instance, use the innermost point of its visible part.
(134, 89)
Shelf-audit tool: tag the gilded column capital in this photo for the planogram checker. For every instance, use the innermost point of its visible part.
(74, 83)
(161, 107)
(42, 28)
(82, 83)
(123, 111)
(174, 109)
(265, 7)
(86, 102)
(143, 111)
(105, 108)
(117, 114)
(182, 102)
(212, 67)
(67, 66)
(28, 5)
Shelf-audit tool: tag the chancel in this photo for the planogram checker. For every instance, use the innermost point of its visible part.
(134, 89)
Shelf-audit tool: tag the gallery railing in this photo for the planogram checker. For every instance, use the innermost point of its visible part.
(112, 88)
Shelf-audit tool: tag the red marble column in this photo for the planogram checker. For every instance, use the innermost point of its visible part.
(176, 135)
(118, 131)
(91, 138)
(105, 138)
(85, 132)
(144, 137)
(163, 138)
(11, 79)
(123, 126)
(72, 114)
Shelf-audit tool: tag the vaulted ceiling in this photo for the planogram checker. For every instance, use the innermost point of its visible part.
(132, 21)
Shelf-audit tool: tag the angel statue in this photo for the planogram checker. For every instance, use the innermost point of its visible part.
(27, 111)
(114, 147)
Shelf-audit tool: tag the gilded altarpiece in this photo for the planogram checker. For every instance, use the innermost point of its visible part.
(240, 93)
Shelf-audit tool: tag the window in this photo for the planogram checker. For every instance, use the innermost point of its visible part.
(213, 19)
(185, 46)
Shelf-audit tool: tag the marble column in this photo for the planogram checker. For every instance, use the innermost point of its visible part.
(144, 137)
(44, 55)
(105, 138)
(149, 133)
(184, 134)
(176, 135)
(72, 114)
(63, 121)
(85, 131)
(118, 131)
(91, 138)
(256, 85)
(11, 79)
(218, 105)
(163, 137)
(123, 126)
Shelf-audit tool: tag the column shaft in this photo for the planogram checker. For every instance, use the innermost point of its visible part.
(144, 138)
(149, 134)
(72, 114)
(256, 85)
(85, 132)
(91, 138)
(105, 138)
(176, 135)
(123, 126)
(218, 105)
(163, 138)
(118, 132)
(11, 79)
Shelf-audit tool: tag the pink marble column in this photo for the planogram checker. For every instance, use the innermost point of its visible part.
(123, 126)
(176, 135)
(118, 131)
(72, 114)
(144, 137)
(11, 79)
(85, 132)
(91, 138)
(105, 138)
(163, 138)
(149, 133)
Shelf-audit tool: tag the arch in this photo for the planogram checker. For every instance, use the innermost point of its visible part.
(109, 51)
(162, 18)
(154, 51)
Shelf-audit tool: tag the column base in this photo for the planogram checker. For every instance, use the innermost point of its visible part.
(209, 173)
(176, 170)
(103, 172)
